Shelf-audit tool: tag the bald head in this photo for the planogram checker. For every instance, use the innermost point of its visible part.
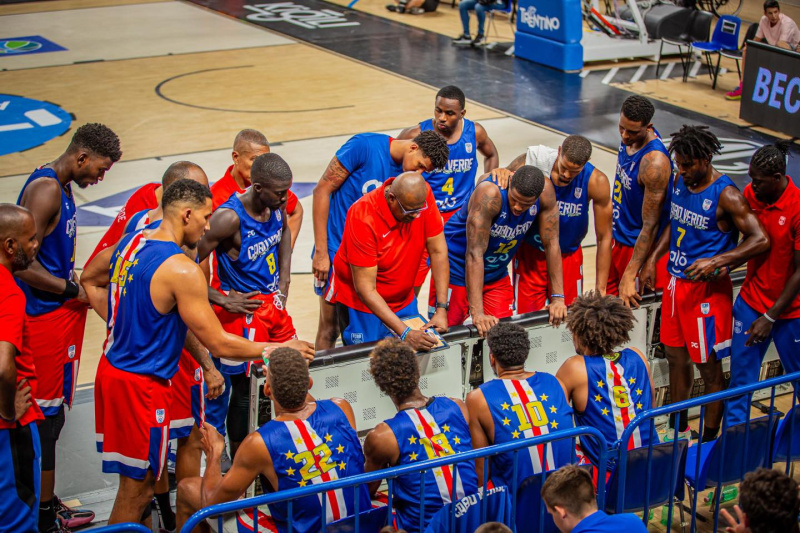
(410, 188)
(183, 170)
(17, 236)
(246, 140)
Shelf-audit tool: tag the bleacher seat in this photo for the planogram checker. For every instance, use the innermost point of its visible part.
(786, 447)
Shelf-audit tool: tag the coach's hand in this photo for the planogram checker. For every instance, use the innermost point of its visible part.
(627, 291)
(702, 270)
(212, 442)
(22, 399)
(241, 303)
(320, 266)
(558, 311)
(420, 341)
(759, 331)
(215, 383)
(306, 349)
(484, 323)
(438, 322)
(737, 525)
(501, 176)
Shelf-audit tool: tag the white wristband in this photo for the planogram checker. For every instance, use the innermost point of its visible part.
(772, 320)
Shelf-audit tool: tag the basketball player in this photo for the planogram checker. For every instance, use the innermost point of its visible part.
(55, 308)
(576, 182)
(768, 306)
(706, 215)
(518, 404)
(156, 293)
(640, 199)
(453, 184)
(606, 385)
(482, 239)
(424, 428)
(570, 498)
(253, 249)
(308, 441)
(362, 164)
(20, 451)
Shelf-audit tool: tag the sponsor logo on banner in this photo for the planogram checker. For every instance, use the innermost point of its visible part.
(468, 147)
(706, 204)
(533, 20)
(160, 413)
(705, 308)
(299, 15)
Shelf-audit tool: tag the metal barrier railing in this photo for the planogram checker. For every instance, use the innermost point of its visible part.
(648, 417)
(390, 474)
(127, 527)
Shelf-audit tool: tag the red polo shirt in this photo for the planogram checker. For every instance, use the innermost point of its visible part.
(12, 320)
(143, 198)
(226, 187)
(372, 236)
(768, 273)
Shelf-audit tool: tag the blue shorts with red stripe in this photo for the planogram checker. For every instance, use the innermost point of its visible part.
(366, 327)
(216, 410)
(20, 479)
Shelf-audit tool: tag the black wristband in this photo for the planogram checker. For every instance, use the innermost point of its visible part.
(445, 306)
(71, 290)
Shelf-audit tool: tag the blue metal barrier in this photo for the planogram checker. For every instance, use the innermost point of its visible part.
(390, 474)
(745, 455)
(121, 528)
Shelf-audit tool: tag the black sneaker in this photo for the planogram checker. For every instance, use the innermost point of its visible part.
(462, 39)
(480, 40)
(394, 8)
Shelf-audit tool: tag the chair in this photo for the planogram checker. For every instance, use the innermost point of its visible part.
(697, 28)
(531, 513)
(725, 461)
(469, 511)
(725, 37)
(737, 54)
(372, 520)
(505, 7)
(786, 447)
(667, 465)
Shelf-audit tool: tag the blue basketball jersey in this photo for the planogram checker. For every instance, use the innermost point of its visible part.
(437, 430)
(56, 251)
(628, 194)
(694, 233)
(573, 211)
(453, 185)
(140, 338)
(323, 447)
(506, 234)
(136, 222)
(367, 158)
(619, 389)
(527, 408)
(256, 268)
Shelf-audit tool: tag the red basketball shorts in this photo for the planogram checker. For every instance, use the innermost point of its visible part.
(532, 284)
(620, 257)
(498, 301)
(188, 401)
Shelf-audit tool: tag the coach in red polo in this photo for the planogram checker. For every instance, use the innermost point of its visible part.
(385, 234)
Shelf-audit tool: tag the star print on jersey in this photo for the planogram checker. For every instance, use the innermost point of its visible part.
(506, 421)
(515, 434)
(328, 438)
(600, 384)
(505, 406)
(412, 439)
(604, 411)
(445, 428)
(598, 398)
(340, 449)
(413, 456)
(554, 424)
(290, 471)
(342, 465)
(632, 381)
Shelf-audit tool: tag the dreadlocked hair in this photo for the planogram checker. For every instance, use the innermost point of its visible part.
(771, 159)
(600, 323)
(695, 143)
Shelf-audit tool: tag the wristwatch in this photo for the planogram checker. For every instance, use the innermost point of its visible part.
(445, 306)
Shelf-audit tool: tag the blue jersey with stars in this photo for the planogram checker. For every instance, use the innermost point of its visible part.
(453, 184)
(56, 251)
(618, 390)
(506, 234)
(524, 408)
(437, 430)
(323, 447)
(694, 233)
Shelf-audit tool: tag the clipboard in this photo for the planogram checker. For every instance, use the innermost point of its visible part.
(416, 322)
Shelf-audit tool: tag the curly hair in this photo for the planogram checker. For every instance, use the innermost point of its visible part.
(638, 109)
(434, 147)
(451, 92)
(528, 181)
(577, 149)
(394, 368)
(288, 377)
(769, 498)
(695, 143)
(509, 344)
(600, 323)
(97, 139)
(771, 159)
(185, 191)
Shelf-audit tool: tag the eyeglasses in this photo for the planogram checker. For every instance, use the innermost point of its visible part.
(407, 212)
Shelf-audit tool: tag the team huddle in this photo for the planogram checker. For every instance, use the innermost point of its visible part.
(192, 282)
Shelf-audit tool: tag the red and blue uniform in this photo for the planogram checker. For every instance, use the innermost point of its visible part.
(767, 275)
(697, 314)
(618, 390)
(137, 221)
(53, 333)
(323, 447)
(600, 522)
(524, 408)
(367, 158)
(505, 236)
(132, 391)
(531, 282)
(437, 430)
(627, 199)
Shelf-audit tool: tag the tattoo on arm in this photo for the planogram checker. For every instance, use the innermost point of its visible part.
(654, 172)
(335, 174)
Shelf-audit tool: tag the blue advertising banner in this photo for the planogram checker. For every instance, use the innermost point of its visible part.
(31, 44)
